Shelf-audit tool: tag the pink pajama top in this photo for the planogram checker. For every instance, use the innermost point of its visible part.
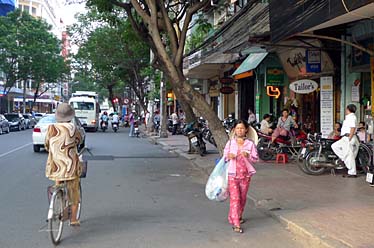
(241, 166)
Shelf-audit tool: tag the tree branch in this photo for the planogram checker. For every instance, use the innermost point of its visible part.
(170, 29)
(189, 13)
(140, 11)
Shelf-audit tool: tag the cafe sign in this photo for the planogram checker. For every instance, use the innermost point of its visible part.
(304, 86)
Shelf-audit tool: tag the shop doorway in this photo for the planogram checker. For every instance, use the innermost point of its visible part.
(247, 97)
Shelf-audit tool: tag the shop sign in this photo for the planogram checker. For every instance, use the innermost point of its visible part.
(304, 86)
(313, 60)
(213, 92)
(273, 91)
(226, 80)
(327, 106)
(227, 90)
(274, 76)
(355, 93)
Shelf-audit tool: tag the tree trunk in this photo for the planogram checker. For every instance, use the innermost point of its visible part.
(111, 97)
(197, 101)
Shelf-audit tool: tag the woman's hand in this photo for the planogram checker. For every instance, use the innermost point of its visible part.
(231, 155)
(245, 154)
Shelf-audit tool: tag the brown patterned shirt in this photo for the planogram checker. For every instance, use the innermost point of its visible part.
(63, 161)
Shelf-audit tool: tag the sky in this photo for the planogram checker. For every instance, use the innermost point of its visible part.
(68, 12)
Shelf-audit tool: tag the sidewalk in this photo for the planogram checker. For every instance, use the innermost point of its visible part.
(327, 210)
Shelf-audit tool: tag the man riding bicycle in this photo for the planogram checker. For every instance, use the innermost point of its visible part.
(62, 140)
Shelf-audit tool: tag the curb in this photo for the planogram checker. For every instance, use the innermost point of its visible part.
(313, 239)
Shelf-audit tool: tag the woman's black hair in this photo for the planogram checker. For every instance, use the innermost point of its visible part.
(337, 122)
(352, 108)
(266, 116)
(244, 122)
(285, 110)
(363, 123)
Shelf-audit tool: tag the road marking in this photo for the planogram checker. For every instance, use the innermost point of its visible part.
(14, 150)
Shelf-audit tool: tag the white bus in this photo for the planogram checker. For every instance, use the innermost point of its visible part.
(87, 109)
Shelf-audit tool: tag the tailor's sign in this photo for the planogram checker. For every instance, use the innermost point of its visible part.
(304, 86)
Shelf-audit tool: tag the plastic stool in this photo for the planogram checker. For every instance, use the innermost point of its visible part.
(282, 158)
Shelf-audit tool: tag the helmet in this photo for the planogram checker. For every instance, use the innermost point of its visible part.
(134, 111)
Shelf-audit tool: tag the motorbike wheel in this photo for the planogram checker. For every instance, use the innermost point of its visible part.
(309, 166)
(300, 162)
(212, 141)
(115, 130)
(264, 152)
(363, 159)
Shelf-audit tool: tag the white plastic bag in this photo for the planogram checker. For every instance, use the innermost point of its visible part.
(216, 188)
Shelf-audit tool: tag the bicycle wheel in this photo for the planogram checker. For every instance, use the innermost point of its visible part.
(80, 202)
(55, 217)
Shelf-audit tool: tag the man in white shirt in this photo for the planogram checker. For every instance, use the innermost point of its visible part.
(175, 120)
(347, 147)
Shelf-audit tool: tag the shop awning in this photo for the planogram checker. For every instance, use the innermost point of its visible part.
(250, 63)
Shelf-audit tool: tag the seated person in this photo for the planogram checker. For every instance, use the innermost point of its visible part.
(265, 125)
(284, 125)
(361, 132)
(335, 134)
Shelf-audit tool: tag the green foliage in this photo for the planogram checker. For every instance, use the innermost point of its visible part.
(111, 55)
(199, 34)
(29, 50)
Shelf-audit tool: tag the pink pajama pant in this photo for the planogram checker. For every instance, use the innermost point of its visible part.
(238, 189)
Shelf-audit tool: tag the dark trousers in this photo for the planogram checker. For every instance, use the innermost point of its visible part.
(175, 127)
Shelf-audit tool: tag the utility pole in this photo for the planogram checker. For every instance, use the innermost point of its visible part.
(163, 114)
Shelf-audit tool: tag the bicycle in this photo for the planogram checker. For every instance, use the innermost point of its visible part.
(60, 208)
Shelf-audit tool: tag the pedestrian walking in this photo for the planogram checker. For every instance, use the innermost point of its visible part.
(132, 123)
(147, 118)
(347, 147)
(63, 162)
(175, 120)
(241, 153)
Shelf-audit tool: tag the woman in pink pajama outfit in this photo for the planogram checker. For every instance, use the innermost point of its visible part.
(241, 153)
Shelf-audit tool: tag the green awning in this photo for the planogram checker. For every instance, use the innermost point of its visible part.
(250, 63)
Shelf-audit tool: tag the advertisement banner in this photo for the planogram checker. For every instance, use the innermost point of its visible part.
(327, 106)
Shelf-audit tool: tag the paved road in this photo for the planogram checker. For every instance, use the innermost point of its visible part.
(138, 195)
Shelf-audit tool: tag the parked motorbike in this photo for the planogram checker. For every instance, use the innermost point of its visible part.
(115, 126)
(229, 123)
(321, 158)
(180, 127)
(206, 132)
(283, 144)
(195, 138)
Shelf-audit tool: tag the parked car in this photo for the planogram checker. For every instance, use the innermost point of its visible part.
(16, 121)
(4, 125)
(38, 116)
(41, 128)
(30, 121)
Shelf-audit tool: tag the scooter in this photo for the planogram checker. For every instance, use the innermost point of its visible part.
(104, 126)
(283, 144)
(322, 157)
(195, 138)
(115, 126)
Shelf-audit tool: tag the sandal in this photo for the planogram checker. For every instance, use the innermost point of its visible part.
(242, 221)
(237, 229)
(75, 223)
